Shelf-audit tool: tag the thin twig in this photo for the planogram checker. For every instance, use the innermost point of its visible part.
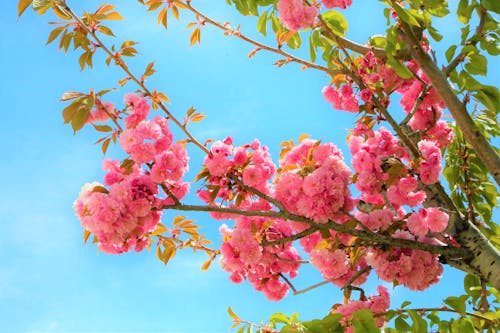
(287, 281)
(257, 192)
(111, 116)
(291, 238)
(419, 101)
(124, 67)
(356, 276)
(239, 35)
(472, 41)
(443, 309)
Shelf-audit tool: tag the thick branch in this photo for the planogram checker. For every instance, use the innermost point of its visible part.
(457, 109)
(485, 257)
(448, 252)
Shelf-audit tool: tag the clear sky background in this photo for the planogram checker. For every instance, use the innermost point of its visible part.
(50, 281)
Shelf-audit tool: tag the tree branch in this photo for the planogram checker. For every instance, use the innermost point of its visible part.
(371, 237)
(247, 39)
(457, 109)
(461, 56)
(124, 67)
(443, 309)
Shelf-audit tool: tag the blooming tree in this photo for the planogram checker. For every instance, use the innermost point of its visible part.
(385, 212)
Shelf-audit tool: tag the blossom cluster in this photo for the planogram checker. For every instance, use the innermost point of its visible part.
(245, 257)
(230, 170)
(122, 214)
(313, 181)
(297, 14)
(415, 269)
(376, 304)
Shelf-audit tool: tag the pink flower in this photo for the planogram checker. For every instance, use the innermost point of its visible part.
(415, 269)
(295, 14)
(121, 217)
(345, 100)
(430, 166)
(441, 133)
(139, 110)
(427, 219)
(243, 257)
(337, 3)
(366, 95)
(417, 223)
(331, 264)
(376, 304)
(316, 182)
(100, 114)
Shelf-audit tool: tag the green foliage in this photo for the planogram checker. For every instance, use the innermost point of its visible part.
(335, 21)
(364, 322)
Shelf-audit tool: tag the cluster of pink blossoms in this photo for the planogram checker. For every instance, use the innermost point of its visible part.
(376, 304)
(296, 14)
(245, 258)
(250, 163)
(376, 154)
(370, 151)
(314, 181)
(344, 100)
(230, 169)
(122, 215)
(427, 219)
(415, 269)
(337, 3)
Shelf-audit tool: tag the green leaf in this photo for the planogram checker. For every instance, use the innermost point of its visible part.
(489, 96)
(262, 24)
(79, 119)
(41, 6)
(378, 41)
(464, 11)
(457, 303)
(450, 52)
(477, 64)
(398, 67)
(363, 322)
(405, 304)
(419, 325)
(54, 33)
(462, 325)
(490, 193)
(294, 42)
(105, 30)
(103, 128)
(70, 111)
(312, 48)
(405, 15)
(401, 325)
(335, 21)
(434, 33)
(279, 317)
(493, 5)
(332, 320)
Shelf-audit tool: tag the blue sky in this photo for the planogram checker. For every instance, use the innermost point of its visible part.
(50, 281)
